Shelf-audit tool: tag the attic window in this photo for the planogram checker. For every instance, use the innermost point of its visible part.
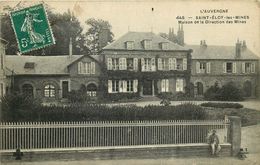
(129, 44)
(147, 44)
(165, 45)
(29, 65)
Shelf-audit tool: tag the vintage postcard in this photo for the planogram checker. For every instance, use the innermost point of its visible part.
(130, 82)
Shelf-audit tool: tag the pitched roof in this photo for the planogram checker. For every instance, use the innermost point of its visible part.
(137, 38)
(219, 52)
(43, 65)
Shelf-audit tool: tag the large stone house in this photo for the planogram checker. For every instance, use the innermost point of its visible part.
(50, 78)
(3, 80)
(137, 64)
(145, 64)
(223, 64)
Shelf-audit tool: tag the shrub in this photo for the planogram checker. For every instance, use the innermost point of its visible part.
(222, 105)
(228, 92)
(78, 96)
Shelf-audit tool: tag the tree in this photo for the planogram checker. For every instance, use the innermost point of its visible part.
(92, 35)
(64, 26)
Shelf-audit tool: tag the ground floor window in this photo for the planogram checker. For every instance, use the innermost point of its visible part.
(164, 85)
(130, 86)
(49, 90)
(200, 90)
(27, 90)
(122, 86)
(1, 89)
(92, 90)
(179, 85)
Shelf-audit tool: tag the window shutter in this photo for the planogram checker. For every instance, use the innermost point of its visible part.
(224, 67)
(198, 67)
(86, 67)
(208, 67)
(93, 67)
(142, 64)
(153, 67)
(163, 85)
(243, 67)
(120, 86)
(253, 67)
(174, 64)
(109, 86)
(135, 63)
(166, 85)
(124, 83)
(179, 85)
(234, 67)
(79, 67)
(159, 64)
(135, 86)
(120, 63)
(170, 62)
(124, 66)
(109, 64)
(184, 63)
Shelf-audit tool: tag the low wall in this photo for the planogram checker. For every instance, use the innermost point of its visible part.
(153, 151)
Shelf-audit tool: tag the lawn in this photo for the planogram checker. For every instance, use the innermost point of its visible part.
(248, 116)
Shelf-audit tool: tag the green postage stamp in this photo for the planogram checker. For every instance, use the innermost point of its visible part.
(32, 28)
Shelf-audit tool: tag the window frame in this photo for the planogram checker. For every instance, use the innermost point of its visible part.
(49, 92)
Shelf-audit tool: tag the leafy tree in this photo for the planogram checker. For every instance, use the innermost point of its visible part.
(64, 26)
(92, 35)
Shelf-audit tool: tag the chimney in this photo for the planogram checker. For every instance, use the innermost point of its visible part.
(203, 44)
(70, 48)
(103, 38)
(244, 45)
(238, 49)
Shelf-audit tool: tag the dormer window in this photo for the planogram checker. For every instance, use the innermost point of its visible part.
(29, 65)
(165, 45)
(129, 45)
(147, 44)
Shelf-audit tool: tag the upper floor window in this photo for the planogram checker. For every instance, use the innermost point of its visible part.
(163, 64)
(248, 67)
(179, 64)
(49, 90)
(229, 67)
(147, 44)
(165, 45)
(86, 68)
(203, 67)
(122, 63)
(129, 45)
(148, 64)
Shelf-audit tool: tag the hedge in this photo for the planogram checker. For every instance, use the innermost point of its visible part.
(222, 105)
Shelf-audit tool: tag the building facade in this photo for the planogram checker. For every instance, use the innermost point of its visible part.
(137, 64)
(145, 64)
(222, 64)
(3, 80)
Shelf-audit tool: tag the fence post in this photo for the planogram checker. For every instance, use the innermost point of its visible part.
(234, 134)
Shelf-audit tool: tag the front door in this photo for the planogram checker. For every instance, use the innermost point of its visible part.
(147, 87)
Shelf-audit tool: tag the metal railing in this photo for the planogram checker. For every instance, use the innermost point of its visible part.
(66, 135)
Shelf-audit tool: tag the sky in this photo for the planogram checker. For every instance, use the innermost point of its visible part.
(134, 15)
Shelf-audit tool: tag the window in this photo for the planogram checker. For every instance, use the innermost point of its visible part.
(130, 63)
(164, 85)
(92, 90)
(179, 85)
(27, 90)
(130, 86)
(115, 63)
(147, 44)
(115, 86)
(179, 64)
(129, 45)
(202, 67)
(229, 67)
(49, 91)
(86, 68)
(148, 64)
(1, 89)
(165, 46)
(248, 67)
(172, 64)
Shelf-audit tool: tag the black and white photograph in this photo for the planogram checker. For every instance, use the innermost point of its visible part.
(110, 82)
